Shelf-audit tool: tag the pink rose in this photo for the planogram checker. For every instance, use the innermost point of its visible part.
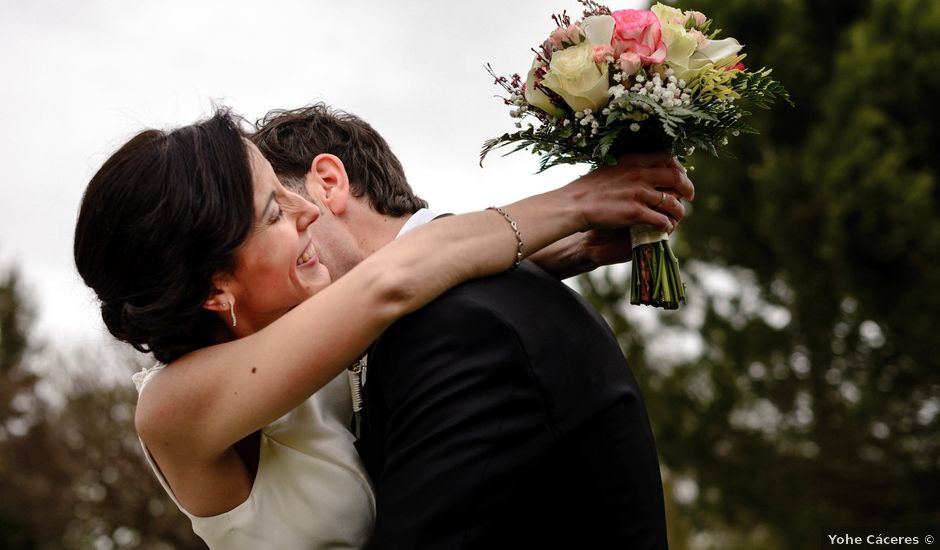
(562, 35)
(602, 52)
(629, 62)
(699, 17)
(638, 31)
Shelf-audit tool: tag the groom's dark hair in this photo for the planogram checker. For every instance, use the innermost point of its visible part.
(291, 139)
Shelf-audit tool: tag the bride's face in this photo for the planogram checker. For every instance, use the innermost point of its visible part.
(278, 265)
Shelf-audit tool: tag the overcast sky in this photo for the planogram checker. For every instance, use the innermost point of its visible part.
(77, 79)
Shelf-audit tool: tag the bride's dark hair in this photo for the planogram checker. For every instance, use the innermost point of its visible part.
(163, 215)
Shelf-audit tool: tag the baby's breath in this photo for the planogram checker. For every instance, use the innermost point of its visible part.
(653, 107)
(645, 107)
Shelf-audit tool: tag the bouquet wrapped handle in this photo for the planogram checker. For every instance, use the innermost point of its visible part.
(656, 280)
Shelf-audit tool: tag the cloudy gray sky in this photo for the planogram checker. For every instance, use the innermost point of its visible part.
(77, 79)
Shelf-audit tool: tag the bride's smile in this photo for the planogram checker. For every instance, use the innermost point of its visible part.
(309, 257)
(278, 266)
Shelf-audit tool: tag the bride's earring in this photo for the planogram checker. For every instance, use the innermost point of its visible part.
(231, 308)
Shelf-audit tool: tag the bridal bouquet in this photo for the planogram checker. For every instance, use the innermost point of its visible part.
(634, 81)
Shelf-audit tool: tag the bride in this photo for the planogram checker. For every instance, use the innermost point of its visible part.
(201, 257)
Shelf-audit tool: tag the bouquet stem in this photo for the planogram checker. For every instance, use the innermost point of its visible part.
(656, 281)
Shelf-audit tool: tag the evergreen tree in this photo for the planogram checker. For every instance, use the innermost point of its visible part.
(72, 476)
(815, 398)
(17, 411)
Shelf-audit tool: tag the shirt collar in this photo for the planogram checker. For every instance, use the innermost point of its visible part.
(417, 219)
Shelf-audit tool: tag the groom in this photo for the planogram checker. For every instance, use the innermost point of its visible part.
(501, 415)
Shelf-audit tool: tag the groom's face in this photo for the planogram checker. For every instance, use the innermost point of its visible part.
(336, 245)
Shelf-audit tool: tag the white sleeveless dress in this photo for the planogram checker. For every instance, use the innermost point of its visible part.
(311, 490)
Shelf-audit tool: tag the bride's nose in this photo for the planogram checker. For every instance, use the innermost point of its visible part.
(307, 213)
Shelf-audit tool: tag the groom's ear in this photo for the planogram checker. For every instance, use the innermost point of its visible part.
(328, 174)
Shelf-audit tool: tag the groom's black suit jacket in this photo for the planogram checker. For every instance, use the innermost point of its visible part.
(503, 415)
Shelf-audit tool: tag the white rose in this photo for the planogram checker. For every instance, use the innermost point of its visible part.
(680, 46)
(536, 97)
(574, 75)
(687, 57)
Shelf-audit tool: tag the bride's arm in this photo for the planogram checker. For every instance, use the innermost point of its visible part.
(208, 400)
(583, 252)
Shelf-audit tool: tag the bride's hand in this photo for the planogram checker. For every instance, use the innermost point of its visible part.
(640, 189)
(638, 178)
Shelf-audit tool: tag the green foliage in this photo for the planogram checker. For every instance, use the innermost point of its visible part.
(16, 386)
(815, 399)
(758, 88)
(701, 114)
(704, 125)
(15, 319)
(71, 473)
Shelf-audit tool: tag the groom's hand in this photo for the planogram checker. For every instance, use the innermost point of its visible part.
(583, 252)
(601, 247)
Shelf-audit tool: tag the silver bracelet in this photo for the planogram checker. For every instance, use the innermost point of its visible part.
(515, 229)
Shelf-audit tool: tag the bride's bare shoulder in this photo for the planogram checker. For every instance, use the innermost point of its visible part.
(168, 395)
(206, 477)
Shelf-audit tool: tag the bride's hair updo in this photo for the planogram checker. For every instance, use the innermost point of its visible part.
(163, 215)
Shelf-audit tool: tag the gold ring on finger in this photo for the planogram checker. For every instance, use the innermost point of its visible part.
(662, 198)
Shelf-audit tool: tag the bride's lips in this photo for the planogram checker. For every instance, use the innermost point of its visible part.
(309, 257)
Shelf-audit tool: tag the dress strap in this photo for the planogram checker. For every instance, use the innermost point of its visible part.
(141, 378)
